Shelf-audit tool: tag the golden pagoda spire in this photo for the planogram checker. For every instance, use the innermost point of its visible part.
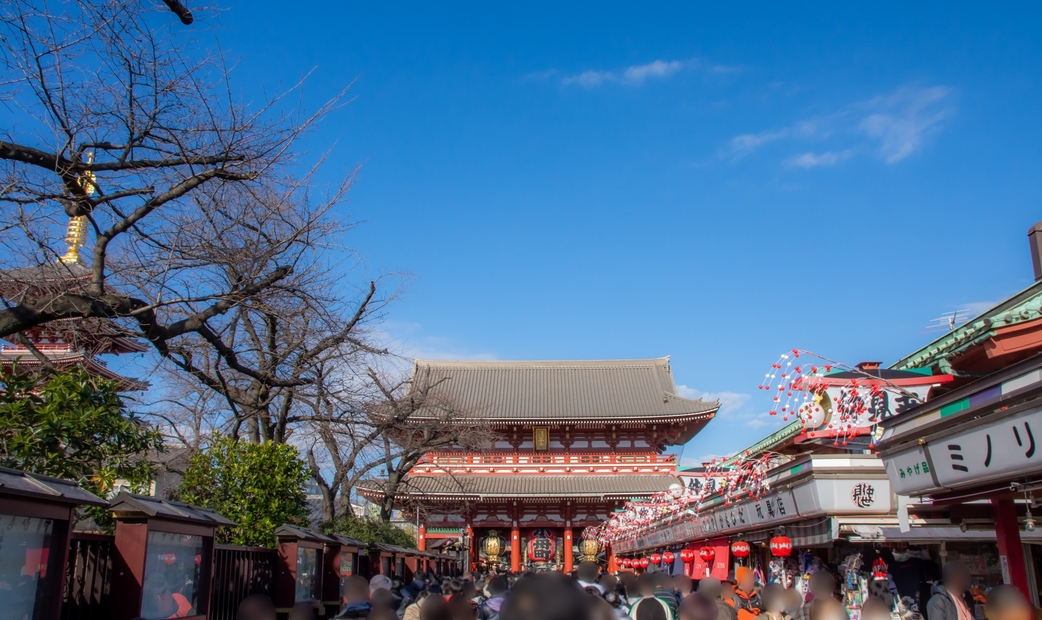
(76, 232)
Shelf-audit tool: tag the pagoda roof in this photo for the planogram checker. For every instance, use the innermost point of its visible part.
(25, 359)
(54, 271)
(506, 486)
(540, 391)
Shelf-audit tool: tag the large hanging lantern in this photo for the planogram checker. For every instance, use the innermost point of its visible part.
(541, 547)
(667, 557)
(656, 559)
(707, 554)
(687, 556)
(740, 549)
(588, 549)
(645, 562)
(781, 546)
(625, 562)
(492, 546)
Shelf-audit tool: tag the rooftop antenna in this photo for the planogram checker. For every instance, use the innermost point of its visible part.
(76, 232)
(948, 321)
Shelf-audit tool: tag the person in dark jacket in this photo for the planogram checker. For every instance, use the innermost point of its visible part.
(356, 598)
(497, 591)
(711, 588)
(947, 601)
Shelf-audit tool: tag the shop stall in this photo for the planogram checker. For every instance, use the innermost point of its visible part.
(298, 578)
(978, 442)
(37, 514)
(340, 561)
(164, 557)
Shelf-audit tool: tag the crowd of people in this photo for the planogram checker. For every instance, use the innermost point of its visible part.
(590, 594)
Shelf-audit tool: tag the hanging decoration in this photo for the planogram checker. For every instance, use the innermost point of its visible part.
(645, 562)
(667, 557)
(541, 547)
(656, 559)
(740, 549)
(781, 546)
(739, 477)
(492, 546)
(588, 550)
(844, 400)
(687, 556)
(707, 554)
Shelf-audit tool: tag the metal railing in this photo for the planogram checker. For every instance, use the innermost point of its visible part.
(87, 577)
(237, 573)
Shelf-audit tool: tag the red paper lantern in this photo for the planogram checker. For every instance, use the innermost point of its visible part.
(781, 546)
(687, 555)
(740, 549)
(707, 554)
(667, 557)
(645, 562)
(656, 559)
(625, 562)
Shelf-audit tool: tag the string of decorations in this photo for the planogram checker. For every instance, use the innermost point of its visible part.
(845, 406)
(801, 390)
(732, 479)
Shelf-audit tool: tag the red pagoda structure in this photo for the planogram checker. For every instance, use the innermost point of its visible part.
(65, 342)
(575, 441)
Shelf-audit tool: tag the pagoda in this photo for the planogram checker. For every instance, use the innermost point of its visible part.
(574, 441)
(65, 342)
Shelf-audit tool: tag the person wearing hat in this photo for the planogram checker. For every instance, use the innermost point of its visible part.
(746, 599)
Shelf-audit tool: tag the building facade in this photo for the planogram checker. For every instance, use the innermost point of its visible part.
(574, 440)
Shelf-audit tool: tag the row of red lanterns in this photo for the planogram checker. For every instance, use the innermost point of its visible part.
(781, 546)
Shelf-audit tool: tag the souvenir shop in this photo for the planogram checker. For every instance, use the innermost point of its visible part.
(973, 453)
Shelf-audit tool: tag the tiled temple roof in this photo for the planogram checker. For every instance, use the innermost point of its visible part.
(610, 390)
(530, 486)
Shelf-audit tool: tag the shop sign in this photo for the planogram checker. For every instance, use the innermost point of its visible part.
(765, 510)
(910, 472)
(844, 496)
(992, 450)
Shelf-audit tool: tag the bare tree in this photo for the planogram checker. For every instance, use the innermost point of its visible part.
(418, 419)
(120, 123)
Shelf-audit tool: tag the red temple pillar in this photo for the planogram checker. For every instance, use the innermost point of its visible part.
(1011, 551)
(472, 550)
(568, 559)
(421, 538)
(515, 549)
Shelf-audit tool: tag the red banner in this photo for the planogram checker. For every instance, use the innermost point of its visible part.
(720, 563)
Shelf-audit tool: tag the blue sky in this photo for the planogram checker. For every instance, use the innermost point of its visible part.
(717, 184)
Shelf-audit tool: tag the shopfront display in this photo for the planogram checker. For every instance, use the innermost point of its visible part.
(164, 557)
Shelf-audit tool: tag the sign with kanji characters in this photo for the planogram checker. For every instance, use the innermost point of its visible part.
(863, 495)
(990, 451)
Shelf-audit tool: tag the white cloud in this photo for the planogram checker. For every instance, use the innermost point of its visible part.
(904, 118)
(742, 145)
(730, 402)
(589, 79)
(634, 75)
(976, 308)
(659, 69)
(891, 126)
(812, 160)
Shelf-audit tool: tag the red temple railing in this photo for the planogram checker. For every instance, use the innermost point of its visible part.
(470, 458)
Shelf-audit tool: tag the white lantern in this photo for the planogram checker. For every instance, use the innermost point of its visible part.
(811, 415)
(676, 490)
